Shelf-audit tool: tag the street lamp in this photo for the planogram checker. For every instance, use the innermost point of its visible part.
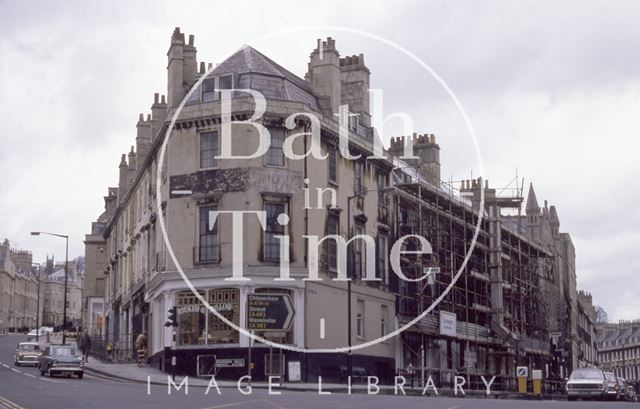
(360, 194)
(37, 266)
(66, 278)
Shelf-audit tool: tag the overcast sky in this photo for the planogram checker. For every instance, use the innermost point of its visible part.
(551, 88)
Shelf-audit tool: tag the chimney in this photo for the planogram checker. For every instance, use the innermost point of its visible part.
(158, 112)
(190, 66)
(123, 177)
(427, 151)
(324, 76)
(143, 137)
(354, 78)
(132, 166)
(175, 69)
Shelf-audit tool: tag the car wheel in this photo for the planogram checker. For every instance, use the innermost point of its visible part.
(571, 398)
(80, 375)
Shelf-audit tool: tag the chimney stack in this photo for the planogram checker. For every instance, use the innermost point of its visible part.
(324, 76)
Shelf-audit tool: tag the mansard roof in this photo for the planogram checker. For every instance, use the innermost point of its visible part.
(254, 70)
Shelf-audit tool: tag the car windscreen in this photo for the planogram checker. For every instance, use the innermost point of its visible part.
(63, 351)
(29, 347)
(586, 374)
(610, 377)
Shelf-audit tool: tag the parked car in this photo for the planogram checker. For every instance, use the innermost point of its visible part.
(60, 359)
(27, 353)
(622, 386)
(613, 386)
(36, 333)
(630, 394)
(587, 383)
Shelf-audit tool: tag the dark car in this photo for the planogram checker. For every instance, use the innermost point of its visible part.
(613, 386)
(60, 359)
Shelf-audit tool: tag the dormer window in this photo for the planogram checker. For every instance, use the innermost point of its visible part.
(225, 82)
(210, 85)
(353, 123)
(208, 90)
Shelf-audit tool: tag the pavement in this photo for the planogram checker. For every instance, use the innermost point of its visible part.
(118, 386)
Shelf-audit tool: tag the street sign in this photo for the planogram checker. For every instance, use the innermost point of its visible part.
(536, 374)
(269, 312)
(522, 372)
(230, 363)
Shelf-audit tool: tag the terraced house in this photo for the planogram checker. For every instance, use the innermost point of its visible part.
(494, 318)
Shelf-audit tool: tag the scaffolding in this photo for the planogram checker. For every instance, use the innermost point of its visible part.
(498, 300)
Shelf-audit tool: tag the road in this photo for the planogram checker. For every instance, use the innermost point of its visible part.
(24, 388)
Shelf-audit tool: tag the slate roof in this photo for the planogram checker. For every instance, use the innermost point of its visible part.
(254, 70)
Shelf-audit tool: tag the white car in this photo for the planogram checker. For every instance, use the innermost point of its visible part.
(42, 332)
(587, 383)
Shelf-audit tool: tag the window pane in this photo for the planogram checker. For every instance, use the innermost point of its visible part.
(227, 302)
(275, 154)
(271, 243)
(225, 82)
(208, 149)
(191, 319)
(333, 164)
(358, 173)
(332, 246)
(208, 250)
(208, 90)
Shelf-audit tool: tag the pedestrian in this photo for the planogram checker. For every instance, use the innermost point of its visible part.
(85, 345)
(141, 347)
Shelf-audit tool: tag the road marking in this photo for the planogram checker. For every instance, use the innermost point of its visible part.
(6, 366)
(275, 405)
(29, 375)
(228, 405)
(9, 404)
(15, 370)
(321, 328)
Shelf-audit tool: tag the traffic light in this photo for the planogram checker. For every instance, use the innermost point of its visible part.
(173, 317)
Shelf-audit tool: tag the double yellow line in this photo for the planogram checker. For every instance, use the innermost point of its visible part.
(9, 404)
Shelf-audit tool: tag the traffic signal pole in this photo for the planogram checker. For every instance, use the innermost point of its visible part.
(173, 323)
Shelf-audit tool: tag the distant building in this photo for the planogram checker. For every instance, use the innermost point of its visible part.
(18, 289)
(619, 349)
(94, 277)
(52, 302)
(587, 330)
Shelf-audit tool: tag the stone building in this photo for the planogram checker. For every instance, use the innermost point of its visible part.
(587, 331)
(619, 349)
(18, 289)
(495, 317)
(94, 278)
(52, 301)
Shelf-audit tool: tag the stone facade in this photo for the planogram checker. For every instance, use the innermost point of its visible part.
(52, 301)
(94, 277)
(18, 289)
(498, 307)
(619, 349)
(587, 331)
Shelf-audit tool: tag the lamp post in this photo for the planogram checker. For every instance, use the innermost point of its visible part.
(66, 279)
(37, 266)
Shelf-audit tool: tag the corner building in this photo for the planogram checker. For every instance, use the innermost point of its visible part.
(143, 282)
